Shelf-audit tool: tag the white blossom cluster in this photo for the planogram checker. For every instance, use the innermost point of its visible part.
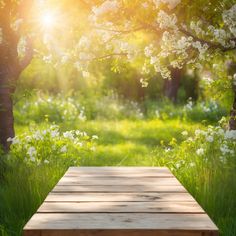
(106, 7)
(68, 109)
(166, 21)
(179, 43)
(229, 17)
(224, 141)
(43, 146)
(170, 3)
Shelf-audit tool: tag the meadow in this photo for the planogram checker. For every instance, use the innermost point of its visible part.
(55, 132)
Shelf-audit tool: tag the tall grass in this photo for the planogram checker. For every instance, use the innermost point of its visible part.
(162, 135)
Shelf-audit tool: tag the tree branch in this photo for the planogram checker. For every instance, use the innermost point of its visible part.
(209, 43)
(121, 31)
(25, 61)
(109, 55)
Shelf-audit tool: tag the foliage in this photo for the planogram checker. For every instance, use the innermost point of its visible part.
(153, 142)
(68, 109)
(36, 161)
(205, 163)
(42, 146)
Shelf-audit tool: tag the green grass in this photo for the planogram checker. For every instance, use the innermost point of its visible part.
(128, 142)
(123, 143)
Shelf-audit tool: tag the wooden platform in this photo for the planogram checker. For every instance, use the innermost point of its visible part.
(114, 201)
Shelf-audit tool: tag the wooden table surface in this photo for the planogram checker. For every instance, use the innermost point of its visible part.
(134, 201)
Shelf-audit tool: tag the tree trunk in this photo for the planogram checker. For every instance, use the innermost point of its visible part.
(171, 86)
(11, 65)
(232, 120)
(231, 66)
(7, 88)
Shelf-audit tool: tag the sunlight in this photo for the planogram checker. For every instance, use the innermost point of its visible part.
(48, 20)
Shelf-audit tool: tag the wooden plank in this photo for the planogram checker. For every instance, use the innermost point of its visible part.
(137, 171)
(134, 169)
(128, 207)
(120, 232)
(118, 197)
(143, 221)
(119, 175)
(118, 188)
(127, 201)
(118, 181)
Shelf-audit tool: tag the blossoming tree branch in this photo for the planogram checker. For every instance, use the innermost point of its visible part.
(172, 34)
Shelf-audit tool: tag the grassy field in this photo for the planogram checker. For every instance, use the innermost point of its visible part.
(204, 169)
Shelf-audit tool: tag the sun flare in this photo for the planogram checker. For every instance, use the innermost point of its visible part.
(48, 20)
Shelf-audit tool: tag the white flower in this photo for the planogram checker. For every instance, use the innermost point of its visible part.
(198, 132)
(200, 151)
(106, 7)
(189, 105)
(46, 161)
(220, 131)
(153, 60)
(68, 134)
(177, 165)
(230, 134)
(184, 133)
(82, 116)
(166, 21)
(170, 3)
(64, 149)
(54, 133)
(206, 109)
(144, 82)
(225, 149)
(157, 114)
(234, 79)
(14, 140)
(85, 74)
(192, 164)
(148, 51)
(209, 139)
(78, 132)
(167, 149)
(94, 137)
(32, 152)
(37, 135)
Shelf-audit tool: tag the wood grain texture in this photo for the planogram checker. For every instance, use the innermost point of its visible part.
(41, 221)
(119, 171)
(129, 207)
(127, 201)
(117, 181)
(103, 169)
(118, 197)
(118, 188)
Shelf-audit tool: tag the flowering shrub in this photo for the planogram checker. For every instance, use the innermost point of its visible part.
(205, 164)
(205, 149)
(206, 110)
(53, 108)
(73, 109)
(51, 146)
